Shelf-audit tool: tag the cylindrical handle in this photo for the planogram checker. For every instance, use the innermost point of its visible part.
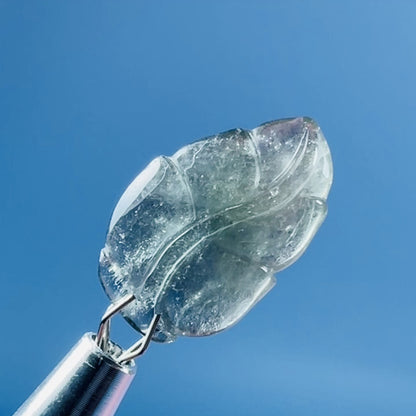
(87, 382)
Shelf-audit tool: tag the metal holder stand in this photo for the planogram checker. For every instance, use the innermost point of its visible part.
(93, 377)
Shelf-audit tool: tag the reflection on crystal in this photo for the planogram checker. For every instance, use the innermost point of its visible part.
(198, 237)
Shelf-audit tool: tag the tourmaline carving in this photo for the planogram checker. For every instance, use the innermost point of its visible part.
(198, 236)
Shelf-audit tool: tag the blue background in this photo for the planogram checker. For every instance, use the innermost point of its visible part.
(91, 91)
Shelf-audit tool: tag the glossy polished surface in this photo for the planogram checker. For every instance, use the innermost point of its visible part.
(197, 237)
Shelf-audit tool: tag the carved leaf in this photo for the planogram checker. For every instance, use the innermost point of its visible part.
(198, 237)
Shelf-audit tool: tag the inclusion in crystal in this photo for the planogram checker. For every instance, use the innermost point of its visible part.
(198, 237)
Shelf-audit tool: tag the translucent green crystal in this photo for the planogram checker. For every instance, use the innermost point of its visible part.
(198, 236)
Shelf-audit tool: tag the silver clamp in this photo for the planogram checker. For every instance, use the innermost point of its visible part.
(93, 377)
(103, 334)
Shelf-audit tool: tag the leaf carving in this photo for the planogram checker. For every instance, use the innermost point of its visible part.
(198, 237)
